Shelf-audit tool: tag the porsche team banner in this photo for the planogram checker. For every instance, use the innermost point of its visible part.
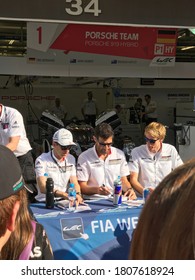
(100, 44)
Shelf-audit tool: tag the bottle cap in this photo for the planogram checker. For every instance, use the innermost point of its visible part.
(71, 185)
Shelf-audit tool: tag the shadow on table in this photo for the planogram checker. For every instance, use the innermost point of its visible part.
(64, 255)
(120, 252)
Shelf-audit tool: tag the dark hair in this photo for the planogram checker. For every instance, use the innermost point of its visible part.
(117, 106)
(147, 95)
(103, 130)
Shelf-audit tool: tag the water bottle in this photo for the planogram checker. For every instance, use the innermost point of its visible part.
(146, 193)
(71, 196)
(117, 198)
(49, 193)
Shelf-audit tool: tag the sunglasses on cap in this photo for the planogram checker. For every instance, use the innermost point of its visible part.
(151, 141)
(68, 147)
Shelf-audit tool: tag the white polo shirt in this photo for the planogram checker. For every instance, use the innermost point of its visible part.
(96, 172)
(152, 168)
(12, 124)
(152, 105)
(59, 171)
(89, 107)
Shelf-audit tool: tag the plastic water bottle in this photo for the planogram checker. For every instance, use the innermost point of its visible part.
(117, 198)
(146, 193)
(49, 193)
(71, 196)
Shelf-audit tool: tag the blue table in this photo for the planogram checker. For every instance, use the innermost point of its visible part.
(104, 232)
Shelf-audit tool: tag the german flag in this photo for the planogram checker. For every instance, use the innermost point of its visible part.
(166, 36)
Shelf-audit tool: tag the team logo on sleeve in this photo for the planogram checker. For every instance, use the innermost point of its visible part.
(38, 165)
(79, 167)
(15, 125)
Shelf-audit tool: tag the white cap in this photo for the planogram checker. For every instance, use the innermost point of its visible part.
(63, 137)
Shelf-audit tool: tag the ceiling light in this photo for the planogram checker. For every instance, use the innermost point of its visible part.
(187, 48)
(11, 42)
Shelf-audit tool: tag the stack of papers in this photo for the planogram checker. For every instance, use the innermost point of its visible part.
(96, 197)
(134, 203)
(64, 204)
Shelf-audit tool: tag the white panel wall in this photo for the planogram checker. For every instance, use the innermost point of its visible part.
(18, 66)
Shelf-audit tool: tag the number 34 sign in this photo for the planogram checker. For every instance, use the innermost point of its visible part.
(78, 7)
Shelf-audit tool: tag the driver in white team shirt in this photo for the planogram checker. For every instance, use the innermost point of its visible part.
(151, 162)
(99, 166)
(58, 164)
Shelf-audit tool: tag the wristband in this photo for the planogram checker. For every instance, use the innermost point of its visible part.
(78, 193)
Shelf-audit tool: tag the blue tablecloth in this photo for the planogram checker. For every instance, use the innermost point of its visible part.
(104, 232)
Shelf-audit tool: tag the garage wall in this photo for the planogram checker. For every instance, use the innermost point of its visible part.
(31, 102)
(34, 103)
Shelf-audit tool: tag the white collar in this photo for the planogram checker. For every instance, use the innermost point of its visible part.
(2, 112)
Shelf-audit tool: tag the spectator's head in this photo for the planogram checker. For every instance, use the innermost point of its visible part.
(147, 98)
(13, 203)
(139, 100)
(118, 108)
(166, 226)
(62, 142)
(90, 95)
(103, 137)
(138, 103)
(154, 135)
(57, 101)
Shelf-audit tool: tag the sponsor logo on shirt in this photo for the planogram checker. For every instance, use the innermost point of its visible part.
(52, 167)
(165, 158)
(15, 125)
(78, 167)
(114, 161)
(96, 164)
(69, 168)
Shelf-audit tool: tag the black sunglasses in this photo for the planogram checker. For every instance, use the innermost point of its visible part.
(151, 141)
(68, 147)
(105, 144)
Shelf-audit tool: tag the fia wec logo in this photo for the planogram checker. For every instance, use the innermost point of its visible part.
(163, 61)
(72, 228)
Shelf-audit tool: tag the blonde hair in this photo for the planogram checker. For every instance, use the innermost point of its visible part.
(156, 130)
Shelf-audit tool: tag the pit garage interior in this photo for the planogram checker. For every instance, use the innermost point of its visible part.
(33, 95)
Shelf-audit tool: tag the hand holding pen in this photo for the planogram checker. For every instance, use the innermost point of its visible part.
(104, 190)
